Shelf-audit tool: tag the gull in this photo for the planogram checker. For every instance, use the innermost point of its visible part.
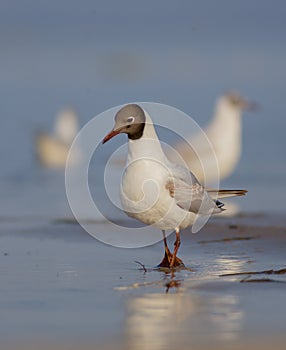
(225, 135)
(52, 150)
(156, 191)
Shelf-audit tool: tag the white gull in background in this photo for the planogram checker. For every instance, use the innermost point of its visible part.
(156, 191)
(225, 135)
(52, 150)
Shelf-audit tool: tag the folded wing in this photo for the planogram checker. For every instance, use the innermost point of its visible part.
(191, 196)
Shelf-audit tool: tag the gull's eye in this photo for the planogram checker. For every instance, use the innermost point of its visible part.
(130, 119)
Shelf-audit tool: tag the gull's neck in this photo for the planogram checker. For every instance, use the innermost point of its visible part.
(227, 118)
(224, 132)
(147, 146)
(66, 126)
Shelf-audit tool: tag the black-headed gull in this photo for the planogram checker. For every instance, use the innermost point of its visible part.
(225, 135)
(52, 150)
(156, 191)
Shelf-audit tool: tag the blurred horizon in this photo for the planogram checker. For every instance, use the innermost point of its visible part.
(95, 55)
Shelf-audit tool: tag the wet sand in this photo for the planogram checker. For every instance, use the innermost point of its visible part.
(62, 289)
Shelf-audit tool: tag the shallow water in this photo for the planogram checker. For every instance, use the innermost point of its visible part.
(60, 286)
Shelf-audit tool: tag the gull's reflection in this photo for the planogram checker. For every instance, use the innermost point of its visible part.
(178, 319)
(225, 316)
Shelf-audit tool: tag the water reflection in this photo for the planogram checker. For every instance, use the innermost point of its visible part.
(163, 321)
(228, 264)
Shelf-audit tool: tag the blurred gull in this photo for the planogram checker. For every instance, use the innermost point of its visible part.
(224, 133)
(52, 150)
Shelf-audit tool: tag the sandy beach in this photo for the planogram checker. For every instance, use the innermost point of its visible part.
(63, 289)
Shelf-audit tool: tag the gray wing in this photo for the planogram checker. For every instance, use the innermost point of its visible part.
(189, 194)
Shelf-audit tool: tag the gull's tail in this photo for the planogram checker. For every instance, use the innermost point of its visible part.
(226, 193)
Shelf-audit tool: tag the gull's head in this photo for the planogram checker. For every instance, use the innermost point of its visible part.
(235, 101)
(130, 120)
(66, 125)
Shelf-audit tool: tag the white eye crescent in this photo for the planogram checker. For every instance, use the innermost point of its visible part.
(130, 119)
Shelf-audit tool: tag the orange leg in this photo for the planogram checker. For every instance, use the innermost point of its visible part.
(176, 248)
(169, 259)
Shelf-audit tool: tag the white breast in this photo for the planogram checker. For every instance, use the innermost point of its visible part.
(144, 195)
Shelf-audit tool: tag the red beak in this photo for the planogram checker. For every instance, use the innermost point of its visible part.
(111, 134)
